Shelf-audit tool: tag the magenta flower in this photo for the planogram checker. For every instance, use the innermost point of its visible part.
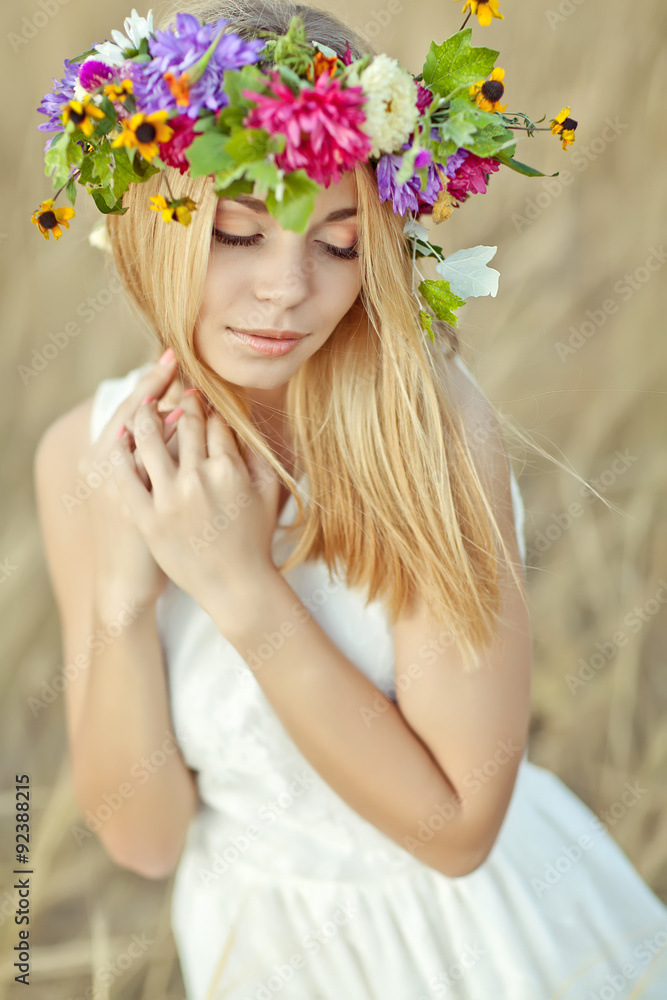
(94, 73)
(321, 125)
(424, 98)
(172, 152)
(471, 175)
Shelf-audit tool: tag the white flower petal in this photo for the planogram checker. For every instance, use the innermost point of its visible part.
(112, 55)
(391, 104)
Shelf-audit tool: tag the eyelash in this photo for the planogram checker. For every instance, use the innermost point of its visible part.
(348, 253)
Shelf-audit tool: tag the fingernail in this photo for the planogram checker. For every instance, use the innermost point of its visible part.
(167, 356)
(189, 392)
(120, 432)
(148, 399)
(174, 415)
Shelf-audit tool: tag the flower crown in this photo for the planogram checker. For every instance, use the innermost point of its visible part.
(284, 116)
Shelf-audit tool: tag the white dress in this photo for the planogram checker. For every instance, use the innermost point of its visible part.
(284, 890)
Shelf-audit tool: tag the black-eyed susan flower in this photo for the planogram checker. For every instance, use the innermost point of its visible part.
(488, 93)
(119, 91)
(179, 208)
(49, 219)
(144, 132)
(564, 126)
(485, 10)
(82, 114)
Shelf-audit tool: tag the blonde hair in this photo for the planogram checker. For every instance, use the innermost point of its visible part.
(395, 501)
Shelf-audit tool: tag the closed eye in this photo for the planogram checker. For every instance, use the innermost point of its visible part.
(227, 239)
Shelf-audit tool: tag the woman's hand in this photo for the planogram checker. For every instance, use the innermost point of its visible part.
(124, 566)
(207, 517)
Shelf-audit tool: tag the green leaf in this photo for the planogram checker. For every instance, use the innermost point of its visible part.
(240, 186)
(293, 81)
(246, 145)
(426, 321)
(298, 201)
(522, 168)
(458, 129)
(236, 81)
(491, 139)
(203, 124)
(467, 274)
(70, 191)
(223, 178)
(206, 155)
(105, 201)
(265, 174)
(124, 172)
(103, 164)
(441, 300)
(55, 160)
(456, 62)
(74, 154)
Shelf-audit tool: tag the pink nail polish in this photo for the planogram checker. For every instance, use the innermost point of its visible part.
(148, 399)
(120, 432)
(174, 415)
(189, 392)
(167, 357)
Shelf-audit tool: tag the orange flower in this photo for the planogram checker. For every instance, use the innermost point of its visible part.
(180, 88)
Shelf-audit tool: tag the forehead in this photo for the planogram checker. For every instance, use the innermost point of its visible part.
(338, 200)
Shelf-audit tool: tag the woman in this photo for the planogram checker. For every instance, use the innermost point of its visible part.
(313, 702)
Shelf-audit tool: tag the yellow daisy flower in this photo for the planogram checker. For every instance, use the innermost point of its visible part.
(144, 132)
(49, 220)
(564, 126)
(82, 115)
(181, 208)
(488, 93)
(485, 10)
(118, 92)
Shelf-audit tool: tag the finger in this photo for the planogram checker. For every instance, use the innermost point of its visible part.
(155, 382)
(192, 450)
(132, 491)
(149, 439)
(219, 437)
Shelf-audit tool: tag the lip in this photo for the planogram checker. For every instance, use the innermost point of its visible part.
(276, 344)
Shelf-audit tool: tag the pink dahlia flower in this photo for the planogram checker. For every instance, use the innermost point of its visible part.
(172, 151)
(321, 125)
(471, 175)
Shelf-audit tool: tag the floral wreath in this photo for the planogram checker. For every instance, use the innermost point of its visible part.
(284, 116)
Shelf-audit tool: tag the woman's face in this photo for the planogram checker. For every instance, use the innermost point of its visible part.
(264, 278)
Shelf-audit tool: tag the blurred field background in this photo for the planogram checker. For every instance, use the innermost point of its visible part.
(568, 256)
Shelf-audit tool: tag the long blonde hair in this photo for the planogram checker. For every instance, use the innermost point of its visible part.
(395, 501)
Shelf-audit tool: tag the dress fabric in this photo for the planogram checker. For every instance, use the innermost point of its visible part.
(283, 890)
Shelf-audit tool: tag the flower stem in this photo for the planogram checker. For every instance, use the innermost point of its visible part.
(466, 20)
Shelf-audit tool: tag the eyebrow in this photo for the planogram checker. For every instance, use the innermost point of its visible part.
(260, 207)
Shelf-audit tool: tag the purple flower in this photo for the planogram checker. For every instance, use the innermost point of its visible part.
(454, 161)
(178, 51)
(408, 196)
(53, 102)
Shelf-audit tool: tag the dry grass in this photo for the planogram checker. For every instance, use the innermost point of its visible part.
(607, 62)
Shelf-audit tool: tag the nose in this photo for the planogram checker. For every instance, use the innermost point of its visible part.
(284, 274)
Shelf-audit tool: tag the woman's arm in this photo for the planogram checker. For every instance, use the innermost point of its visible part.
(115, 685)
(435, 772)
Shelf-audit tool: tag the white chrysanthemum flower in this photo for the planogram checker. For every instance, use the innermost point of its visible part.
(98, 237)
(136, 28)
(391, 105)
